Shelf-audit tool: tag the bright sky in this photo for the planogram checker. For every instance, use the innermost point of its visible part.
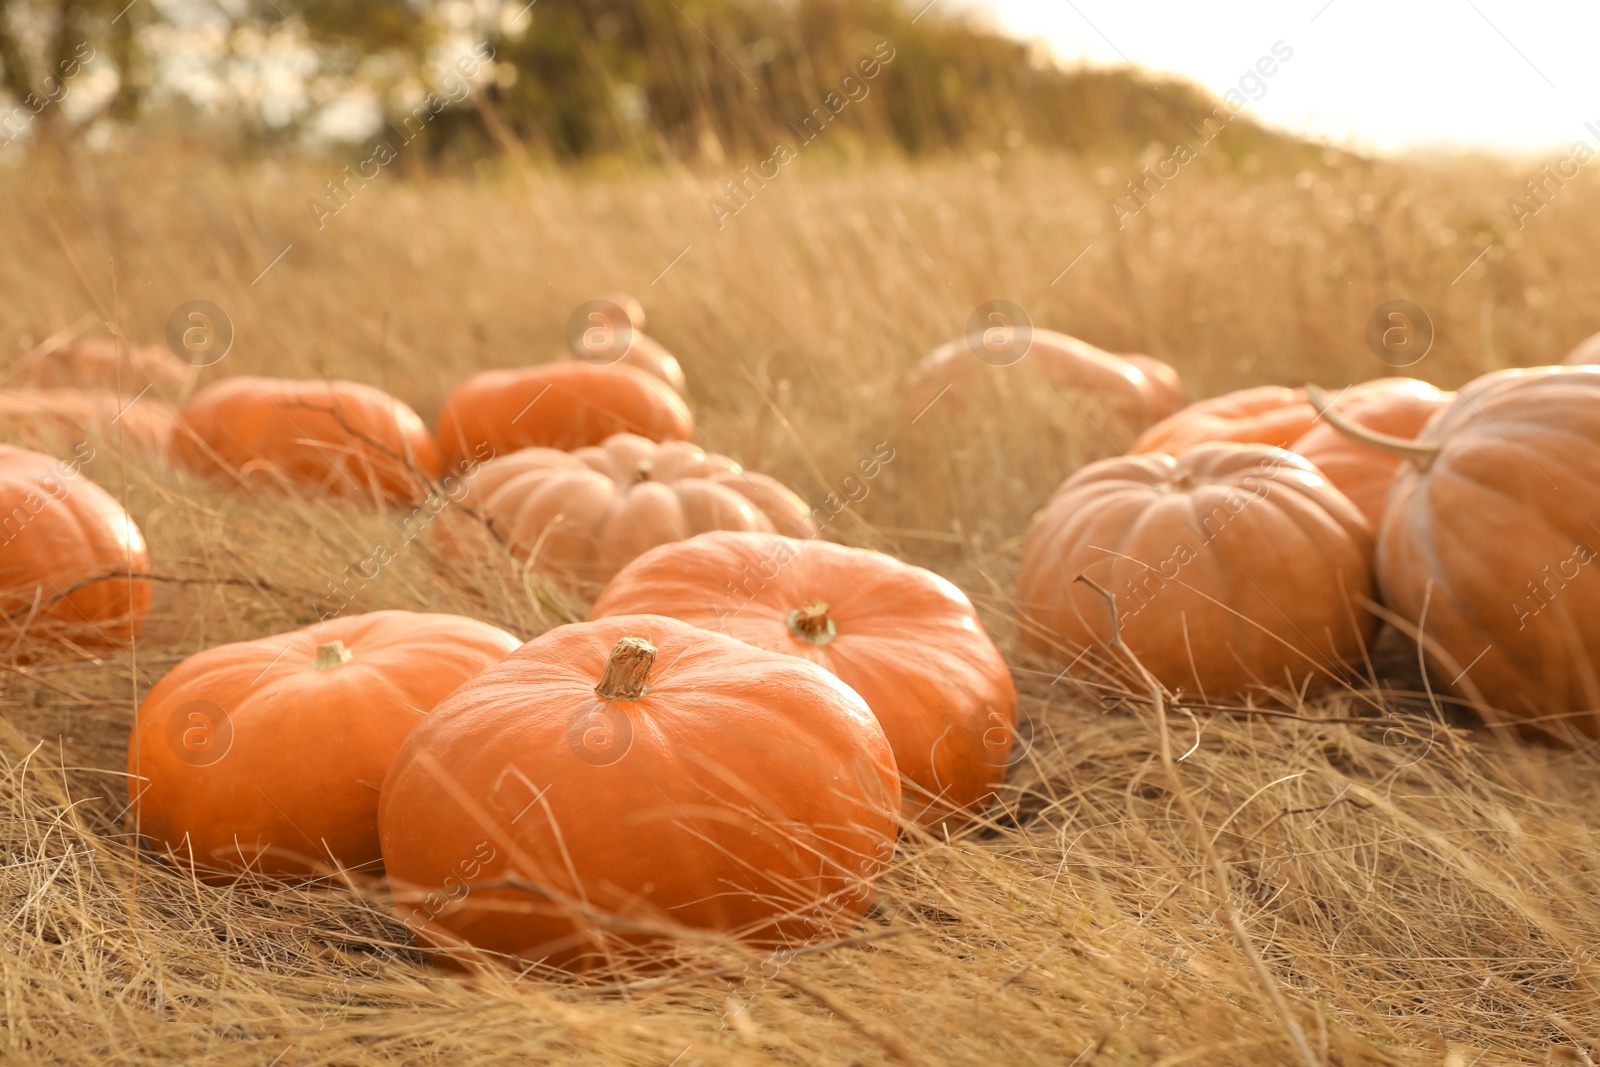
(1506, 75)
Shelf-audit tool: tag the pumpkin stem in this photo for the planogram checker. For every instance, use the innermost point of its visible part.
(810, 622)
(331, 655)
(1421, 455)
(627, 673)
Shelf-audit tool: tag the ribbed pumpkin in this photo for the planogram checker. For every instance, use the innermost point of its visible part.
(102, 363)
(1587, 353)
(585, 514)
(53, 420)
(904, 638)
(566, 404)
(267, 755)
(1493, 528)
(337, 437)
(58, 530)
(614, 782)
(1234, 567)
(1108, 386)
(1356, 470)
(1166, 386)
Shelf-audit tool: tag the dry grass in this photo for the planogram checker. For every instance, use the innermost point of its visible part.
(1420, 891)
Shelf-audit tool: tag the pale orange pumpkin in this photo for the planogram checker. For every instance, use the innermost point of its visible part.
(267, 755)
(904, 638)
(1587, 353)
(1235, 568)
(584, 514)
(59, 532)
(1103, 385)
(1167, 387)
(615, 786)
(54, 420)
(1358, 471)
(1491, 543)
(337, 437)
(103, 363)
(616, 335)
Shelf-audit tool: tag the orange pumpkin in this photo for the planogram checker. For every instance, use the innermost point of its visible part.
(53, 420)
(615, 782)
(1491, 539)
(58, 532)
(1587, 353)
(342, 438)
(1235, 567)
(102, 363)
(1166, 386)
(1356, 470)
(904, 638)
(1263, 415)
(1108, 385)
(267, 755)
(585, 514)
(566, 404)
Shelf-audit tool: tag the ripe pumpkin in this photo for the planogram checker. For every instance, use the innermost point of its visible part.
(1492, 528)
(58, 530)
(585, 514)
(267, 755)
(1234, 567)
(54, 420)
(904, 638)
(566, 404)
(338, 437)
(1587, 353)
(1358, 471)
(1109, 385)
(103, 363)
(1264, 415)
(616, 781)
(1166, 386)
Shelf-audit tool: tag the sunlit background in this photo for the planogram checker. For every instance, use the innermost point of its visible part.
(1374, 74)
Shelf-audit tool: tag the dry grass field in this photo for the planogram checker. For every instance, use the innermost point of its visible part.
(1418, 890)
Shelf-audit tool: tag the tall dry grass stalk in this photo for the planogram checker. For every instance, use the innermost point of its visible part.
(1420, 892)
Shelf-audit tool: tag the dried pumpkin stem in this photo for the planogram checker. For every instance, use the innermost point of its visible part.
(627, 672)
(1421, 455)
(331, 655)
(810, 622)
